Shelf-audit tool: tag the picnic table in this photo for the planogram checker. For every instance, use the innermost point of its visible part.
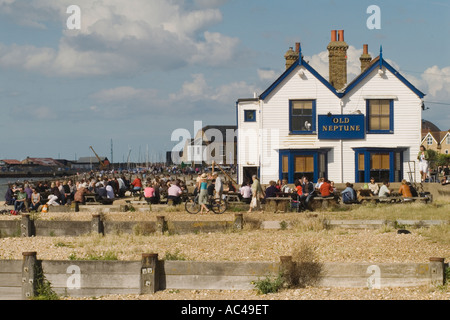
(232, 196)
(282, 202)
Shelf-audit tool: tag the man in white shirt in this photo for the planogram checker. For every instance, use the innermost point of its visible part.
(384, 190)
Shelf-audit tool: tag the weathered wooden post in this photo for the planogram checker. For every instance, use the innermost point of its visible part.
(29, 268)
(286, 268)
(149, 273)
(437, 273)
(26, 226)
(97, 224)
(238, 221)
(160, 224)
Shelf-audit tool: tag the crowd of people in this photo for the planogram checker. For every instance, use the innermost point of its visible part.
(157, 183)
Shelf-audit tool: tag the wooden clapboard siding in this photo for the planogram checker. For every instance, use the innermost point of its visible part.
(341, 163)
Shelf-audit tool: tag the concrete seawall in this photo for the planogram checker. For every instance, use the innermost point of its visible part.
(96, 278)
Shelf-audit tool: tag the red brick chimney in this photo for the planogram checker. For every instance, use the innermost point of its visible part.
(365, 58)
(337, 53)
(291, 56)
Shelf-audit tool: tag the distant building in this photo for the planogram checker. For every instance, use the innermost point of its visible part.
(435, 139)
(90, 163)
(216, 143)
(9, 162)
(306, 125)
(45, 162)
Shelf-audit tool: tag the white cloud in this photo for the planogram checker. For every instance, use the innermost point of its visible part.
(320, 63)
(120, 37)
(267, 75)
(199, 90)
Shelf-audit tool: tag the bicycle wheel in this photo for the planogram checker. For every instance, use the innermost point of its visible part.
(192, 206)
(219, 206)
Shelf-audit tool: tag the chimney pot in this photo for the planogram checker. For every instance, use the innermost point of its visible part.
(297, 47)
(333, 35)
(341, 35)
(365, 49)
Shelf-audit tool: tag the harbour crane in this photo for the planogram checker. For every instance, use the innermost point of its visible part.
(102, 164)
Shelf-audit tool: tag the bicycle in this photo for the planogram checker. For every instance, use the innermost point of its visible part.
(218, 206)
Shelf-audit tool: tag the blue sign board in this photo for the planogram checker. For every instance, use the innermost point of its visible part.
(341, 127)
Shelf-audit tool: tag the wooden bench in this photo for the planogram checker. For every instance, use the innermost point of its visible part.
(137, 202)
(92, 199)
(278, 204)
(319, 202)
(396, 199)
(232, 197)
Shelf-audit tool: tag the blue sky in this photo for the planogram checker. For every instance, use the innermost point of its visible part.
(139, 69)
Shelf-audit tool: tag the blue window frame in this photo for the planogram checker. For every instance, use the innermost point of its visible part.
(302, 116)
(297, 163)
(380, 163)
(380, 116)
(249, 115)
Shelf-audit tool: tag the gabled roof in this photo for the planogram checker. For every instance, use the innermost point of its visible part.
(299, 62)
(378, 62)
(11, 161)
(438, 136)
(48, 162)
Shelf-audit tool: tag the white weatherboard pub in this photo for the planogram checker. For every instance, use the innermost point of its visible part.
(305, 125)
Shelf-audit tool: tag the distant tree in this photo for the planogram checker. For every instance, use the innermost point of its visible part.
(443, 159)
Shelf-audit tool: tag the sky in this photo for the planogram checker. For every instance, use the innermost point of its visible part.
(138, 70)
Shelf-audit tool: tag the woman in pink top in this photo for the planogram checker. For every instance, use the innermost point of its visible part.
(174, 192)
(149, 194)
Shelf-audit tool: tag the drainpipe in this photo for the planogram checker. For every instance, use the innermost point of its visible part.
(342, 147)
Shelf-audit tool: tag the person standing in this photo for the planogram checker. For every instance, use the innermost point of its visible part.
(257, 193)
(203, 192)
(218, 186)
(423, 158)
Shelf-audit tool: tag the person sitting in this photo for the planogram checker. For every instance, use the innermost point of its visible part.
(284, 187)
(308, 191)
(412, 189)
(373, 187)
(384, 190)
(349, 194)
(246, 192)
(9, 196)
(174, 193)
(136, 185)
(80, 193)
(271, 191)
(325, 189)
(319, 183)
(405, 191)
(230, 187)
(149, 194)
(53, 200)
(110, 194)
(333, 188)
(21, 197)
(35, 200)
